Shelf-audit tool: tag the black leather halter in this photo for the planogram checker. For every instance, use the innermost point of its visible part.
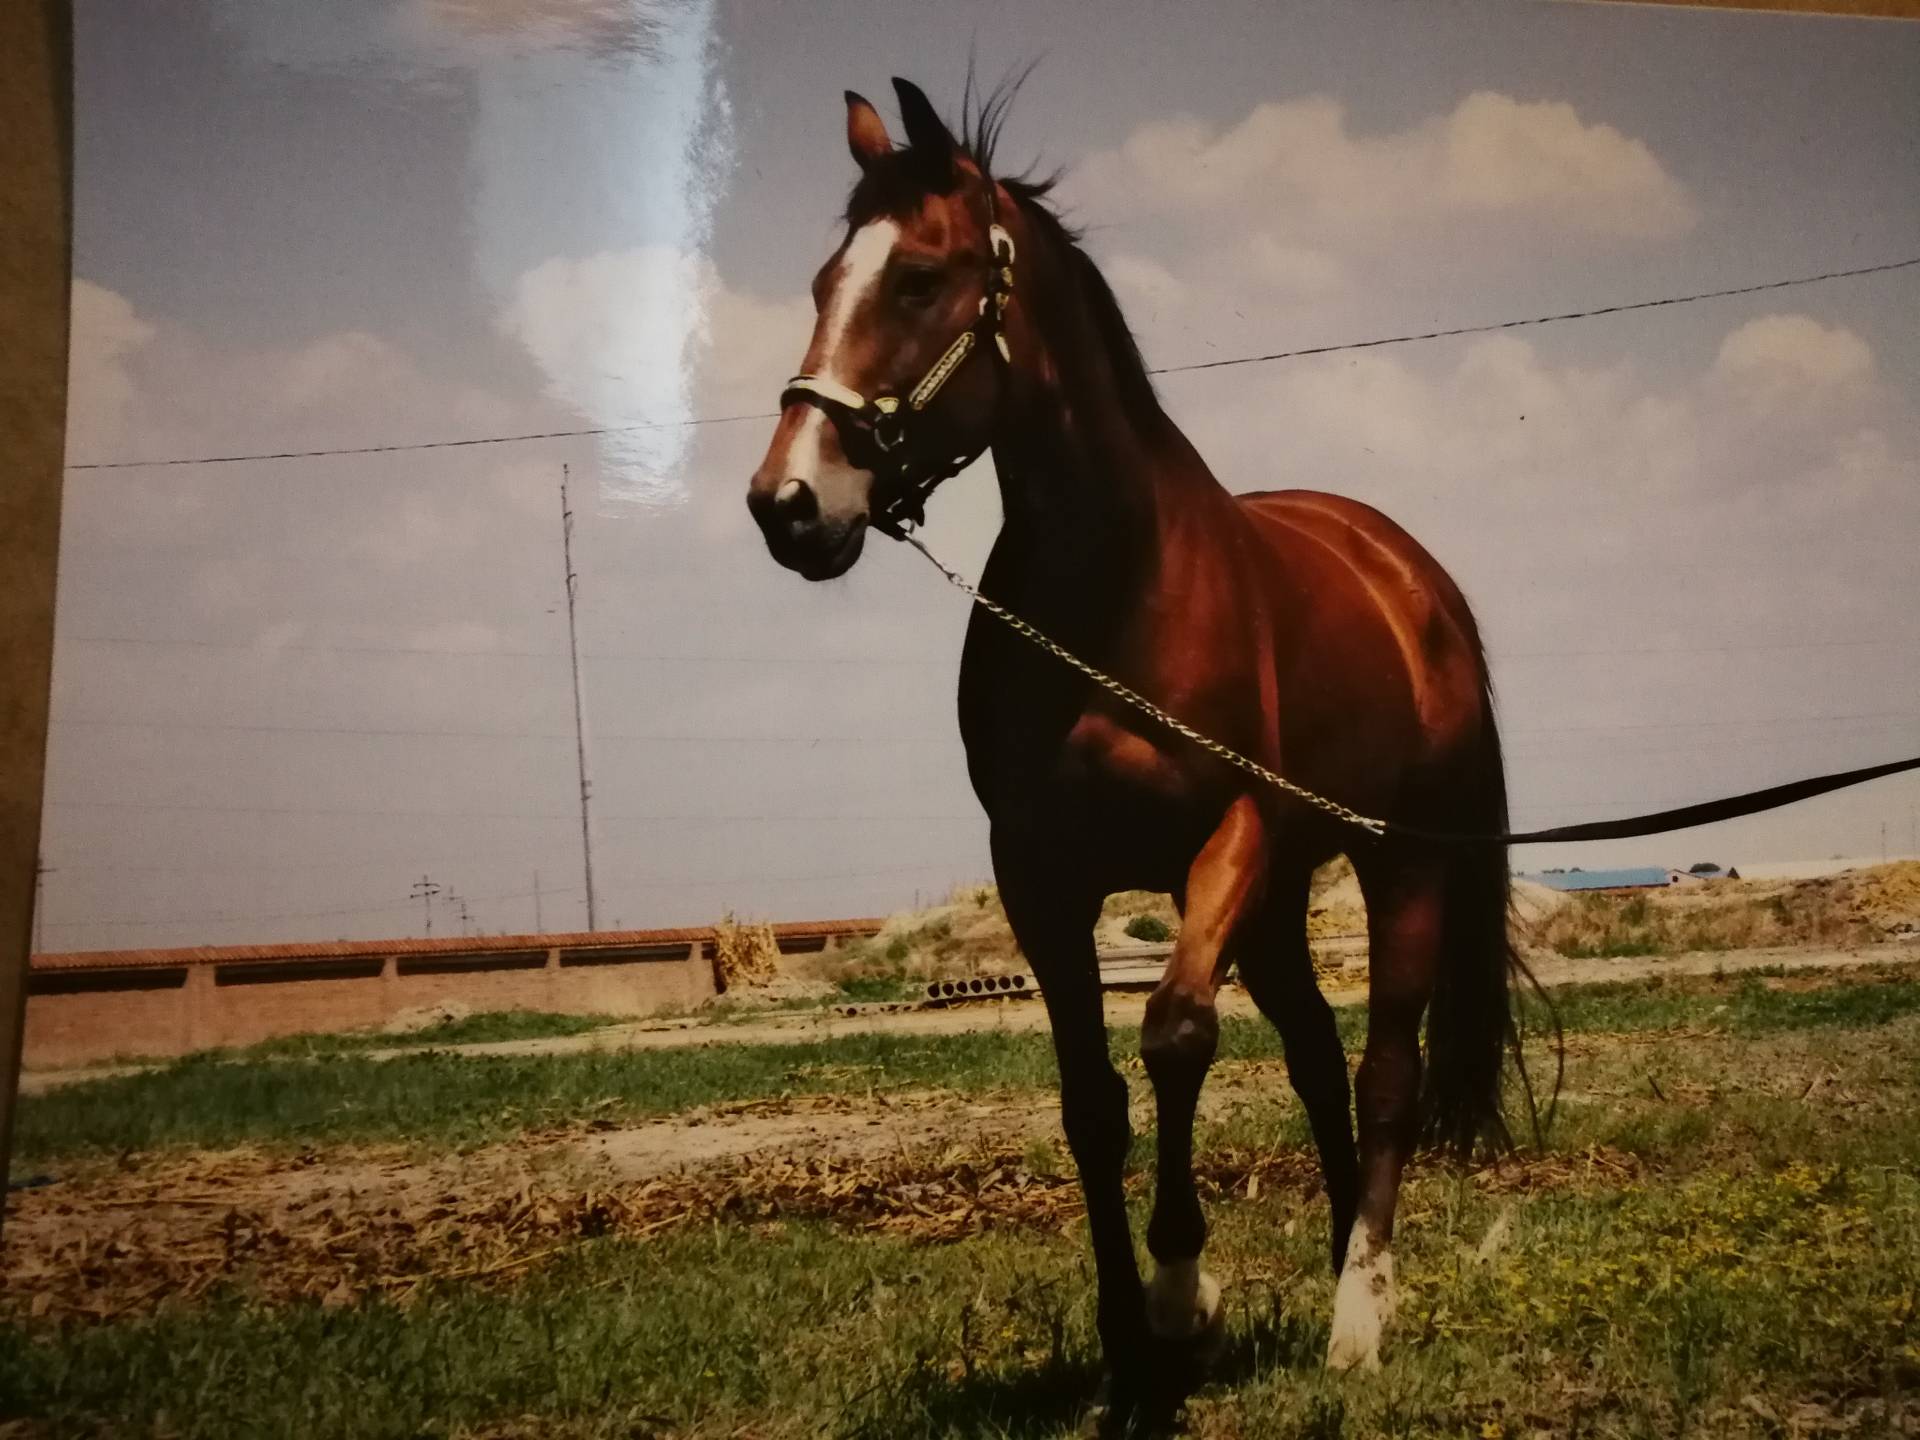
(877, 433)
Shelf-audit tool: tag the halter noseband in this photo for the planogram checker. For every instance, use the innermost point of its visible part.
(875, 432)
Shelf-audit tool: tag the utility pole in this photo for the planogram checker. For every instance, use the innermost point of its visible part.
(40, 872)
(424, 890)
(459, 903)
(539, 924)
(579, 706)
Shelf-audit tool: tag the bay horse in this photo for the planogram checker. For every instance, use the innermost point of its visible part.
(1307, 631)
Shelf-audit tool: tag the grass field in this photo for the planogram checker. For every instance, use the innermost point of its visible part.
(1722, 1237)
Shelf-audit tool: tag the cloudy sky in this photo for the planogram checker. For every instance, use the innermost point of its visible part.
(287, 689)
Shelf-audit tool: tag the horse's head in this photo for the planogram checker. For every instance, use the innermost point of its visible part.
(899, 381)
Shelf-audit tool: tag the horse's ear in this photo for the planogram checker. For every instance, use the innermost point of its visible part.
(932, 143)
(866, 131)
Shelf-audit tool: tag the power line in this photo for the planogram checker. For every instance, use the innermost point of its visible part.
(365, 814)
(1537, 320)
(643, 883)
(1301, 353)
(625, 656)
(499, 857)
(225, 918)
(941, 661)
(305, 810)
(391, 732)
(1499, 656)
(415, 445)
(809, 741)
(1618, 726)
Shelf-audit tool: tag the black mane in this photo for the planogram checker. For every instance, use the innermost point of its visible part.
(895, 185)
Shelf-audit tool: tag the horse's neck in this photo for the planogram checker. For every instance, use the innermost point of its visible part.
(1078, 526)
(1087, 493)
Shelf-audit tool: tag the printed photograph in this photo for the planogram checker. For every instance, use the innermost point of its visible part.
(986, 720)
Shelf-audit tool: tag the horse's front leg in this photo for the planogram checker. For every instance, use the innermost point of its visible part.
(1225, 885)
(1052, 912)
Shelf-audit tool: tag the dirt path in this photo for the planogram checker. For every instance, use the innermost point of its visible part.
(1127, 1007)
(1026, 1014)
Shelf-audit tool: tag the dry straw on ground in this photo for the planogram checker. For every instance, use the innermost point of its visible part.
(744, 954)
(128, 1242)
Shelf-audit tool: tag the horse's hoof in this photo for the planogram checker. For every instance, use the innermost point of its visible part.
(1352, 1352)
(1363, 1306)
(1183, 1304)
(1119, 1412)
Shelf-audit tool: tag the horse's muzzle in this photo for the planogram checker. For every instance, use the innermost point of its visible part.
(799, 537)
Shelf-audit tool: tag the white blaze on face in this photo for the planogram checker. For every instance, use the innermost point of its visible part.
(861, 265)
(1363, 1303)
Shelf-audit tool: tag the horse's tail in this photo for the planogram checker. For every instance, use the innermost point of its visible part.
(1474, 1023)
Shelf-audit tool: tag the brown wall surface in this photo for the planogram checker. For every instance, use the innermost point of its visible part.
(36, 230)
(77, 1017)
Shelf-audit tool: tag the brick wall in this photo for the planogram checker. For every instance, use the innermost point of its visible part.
(79, 1016)
(103, 1004)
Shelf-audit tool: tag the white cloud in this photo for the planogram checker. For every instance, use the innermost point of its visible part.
(105, 332)
(1296, 165)
(1145, 287)
(142, 389)
(1795, 344)
(1788, 359)
(1570, 491)
(651, 336)
(1204, 228)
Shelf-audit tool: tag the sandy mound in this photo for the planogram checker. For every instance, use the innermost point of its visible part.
(1533, 902)
(1885, 896)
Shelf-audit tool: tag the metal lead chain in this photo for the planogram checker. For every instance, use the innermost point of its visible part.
(1140, 702)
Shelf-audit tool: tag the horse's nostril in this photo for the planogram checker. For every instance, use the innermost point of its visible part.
(795, 500)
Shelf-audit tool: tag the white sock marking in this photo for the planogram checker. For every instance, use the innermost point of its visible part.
(1363, 1304)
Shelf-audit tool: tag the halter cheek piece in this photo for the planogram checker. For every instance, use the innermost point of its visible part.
(876, 433)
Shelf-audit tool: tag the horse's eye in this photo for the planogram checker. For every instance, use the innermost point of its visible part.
(917, 285)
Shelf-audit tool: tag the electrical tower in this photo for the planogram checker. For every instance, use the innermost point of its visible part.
(424, 890)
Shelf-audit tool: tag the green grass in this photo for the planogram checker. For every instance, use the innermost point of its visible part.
(444, 1099)
(1647, 1311)
(487, 1027)
(1757, 1260)
(882, 987)
(1149, 928)
(450, 1099)
(1741, 1005)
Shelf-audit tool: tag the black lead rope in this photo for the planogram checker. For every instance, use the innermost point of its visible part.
(1685, 817)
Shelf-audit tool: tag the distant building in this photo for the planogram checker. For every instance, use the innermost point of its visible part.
(1646, 877)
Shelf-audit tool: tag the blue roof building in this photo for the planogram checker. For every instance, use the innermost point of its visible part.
(1644, 877)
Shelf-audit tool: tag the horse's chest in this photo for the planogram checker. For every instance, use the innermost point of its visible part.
(1101, 754)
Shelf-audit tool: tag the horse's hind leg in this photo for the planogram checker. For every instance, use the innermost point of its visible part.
(1405, 904)
(1177, 1042)
(1276, 969)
